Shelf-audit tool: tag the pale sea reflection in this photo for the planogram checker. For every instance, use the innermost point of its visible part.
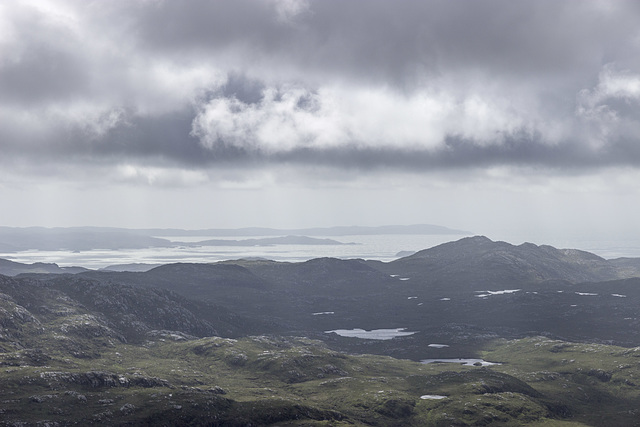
(374, 247)
(382, 248)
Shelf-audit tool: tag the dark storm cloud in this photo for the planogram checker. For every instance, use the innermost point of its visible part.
(419, 85)
(42, 74)
(238, 86)
(461, 154)
(162, 139)
(403, 40)
(166, 141)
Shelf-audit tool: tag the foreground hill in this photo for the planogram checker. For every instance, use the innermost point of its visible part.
(82, 309)
(172, 379)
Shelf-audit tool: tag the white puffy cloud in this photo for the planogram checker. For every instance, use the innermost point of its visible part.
(292, 117)
(609, 109)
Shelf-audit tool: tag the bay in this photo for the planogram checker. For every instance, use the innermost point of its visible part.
(374, 247)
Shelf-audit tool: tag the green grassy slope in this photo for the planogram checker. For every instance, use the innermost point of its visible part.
(269, 380)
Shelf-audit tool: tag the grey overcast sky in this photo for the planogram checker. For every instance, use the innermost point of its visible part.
(481, 115)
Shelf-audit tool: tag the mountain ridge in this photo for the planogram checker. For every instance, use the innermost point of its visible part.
(478, 258)
(462, 284)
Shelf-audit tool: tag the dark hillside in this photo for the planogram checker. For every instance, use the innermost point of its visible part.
(128, 313)
(12, 268)
(461, 293)
(480, 261)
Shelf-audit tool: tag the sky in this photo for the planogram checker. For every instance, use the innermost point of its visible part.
(488, 116)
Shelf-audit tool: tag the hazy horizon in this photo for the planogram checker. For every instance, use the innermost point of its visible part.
(95, 249)
(502, 118)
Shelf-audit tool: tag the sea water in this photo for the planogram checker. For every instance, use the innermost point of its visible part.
(374, 247)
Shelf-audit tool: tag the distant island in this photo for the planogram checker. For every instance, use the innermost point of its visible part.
(269, 241)
(15, 239)
(425, 229)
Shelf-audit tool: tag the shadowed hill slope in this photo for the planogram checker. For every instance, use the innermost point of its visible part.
(462, 292)
(12, 268)
(126, 312)
(481, 261)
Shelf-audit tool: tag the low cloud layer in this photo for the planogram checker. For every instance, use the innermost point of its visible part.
(410, 85)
